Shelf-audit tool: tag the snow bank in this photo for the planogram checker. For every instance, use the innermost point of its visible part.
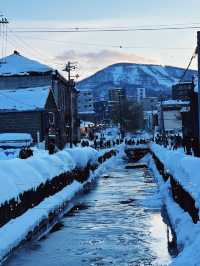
(29, 220)
(184, 168)
(17, 176)
(15, 231)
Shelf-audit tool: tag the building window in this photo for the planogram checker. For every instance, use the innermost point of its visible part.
(51, 117)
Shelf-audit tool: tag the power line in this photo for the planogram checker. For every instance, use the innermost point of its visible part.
(87, 30)
(25, 44)
(120, 46)
(112, 27)
(189, 64)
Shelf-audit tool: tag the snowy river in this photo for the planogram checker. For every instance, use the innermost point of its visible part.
(118, 223)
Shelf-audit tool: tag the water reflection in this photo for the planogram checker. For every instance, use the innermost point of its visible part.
(117, 223)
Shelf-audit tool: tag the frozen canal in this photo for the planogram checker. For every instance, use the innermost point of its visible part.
(117, 223)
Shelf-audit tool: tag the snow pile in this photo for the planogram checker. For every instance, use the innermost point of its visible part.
(82, 156)
(184, 169)
(17, 176)
(9, 154)
(29, 220)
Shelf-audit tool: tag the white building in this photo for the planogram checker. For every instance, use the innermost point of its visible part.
(85, 103)
(141, 94)
(171, 118)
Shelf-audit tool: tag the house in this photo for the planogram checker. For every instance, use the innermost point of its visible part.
(19, 72)
(30, 110)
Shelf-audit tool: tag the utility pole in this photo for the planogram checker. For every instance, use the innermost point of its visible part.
(198, 52)
(162, 116)
(3, 36)
(68, 68)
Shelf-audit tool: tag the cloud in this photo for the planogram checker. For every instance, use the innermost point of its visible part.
(90, 62)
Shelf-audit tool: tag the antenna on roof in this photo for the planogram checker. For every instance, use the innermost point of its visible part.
(3, 37)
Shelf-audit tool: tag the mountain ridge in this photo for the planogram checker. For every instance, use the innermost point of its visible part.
(155, 78)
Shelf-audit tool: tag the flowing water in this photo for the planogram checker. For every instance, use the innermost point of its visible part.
(118, 223)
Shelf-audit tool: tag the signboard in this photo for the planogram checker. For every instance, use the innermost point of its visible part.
(172, 120)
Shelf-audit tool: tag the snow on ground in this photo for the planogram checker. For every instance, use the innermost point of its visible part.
(183, 168)
(28, 221)
(16, 230)
(17, 176)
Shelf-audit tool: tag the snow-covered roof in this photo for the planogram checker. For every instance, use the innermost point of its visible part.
(24, 99)
(15, 139)
(16, 64)
(175, 102)
(15, 136)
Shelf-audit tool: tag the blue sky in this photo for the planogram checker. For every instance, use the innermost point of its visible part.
(187, 10)
(96, 50)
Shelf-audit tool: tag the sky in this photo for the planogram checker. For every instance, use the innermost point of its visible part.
(95, 50)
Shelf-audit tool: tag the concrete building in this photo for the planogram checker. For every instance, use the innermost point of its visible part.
(150, 103)
(116, 95)
(185, 91)
(19, 72)
(182, 91)
(102, 114)
(141, 94)
(169, 116)
(86, 105)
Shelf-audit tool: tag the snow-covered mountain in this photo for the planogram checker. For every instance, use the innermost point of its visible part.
(154, 78)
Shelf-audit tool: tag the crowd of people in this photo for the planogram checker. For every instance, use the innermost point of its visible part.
(174, 142)
(104, 143)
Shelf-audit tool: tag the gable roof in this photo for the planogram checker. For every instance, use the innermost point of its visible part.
(28, 99)
(16, 64)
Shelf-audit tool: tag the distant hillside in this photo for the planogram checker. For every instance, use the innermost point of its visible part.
(154, 78)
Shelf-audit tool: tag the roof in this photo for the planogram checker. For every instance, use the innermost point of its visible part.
(175, 102)
(16, 64)
(28, 99)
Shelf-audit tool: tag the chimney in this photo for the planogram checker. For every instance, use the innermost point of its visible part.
(16, 52)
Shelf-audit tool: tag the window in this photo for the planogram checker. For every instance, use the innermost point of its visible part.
(51, 117)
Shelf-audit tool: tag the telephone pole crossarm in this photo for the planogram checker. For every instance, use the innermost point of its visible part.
(68, 68)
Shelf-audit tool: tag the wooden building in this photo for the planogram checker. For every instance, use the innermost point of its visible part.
(19, 72)
(30, 110)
